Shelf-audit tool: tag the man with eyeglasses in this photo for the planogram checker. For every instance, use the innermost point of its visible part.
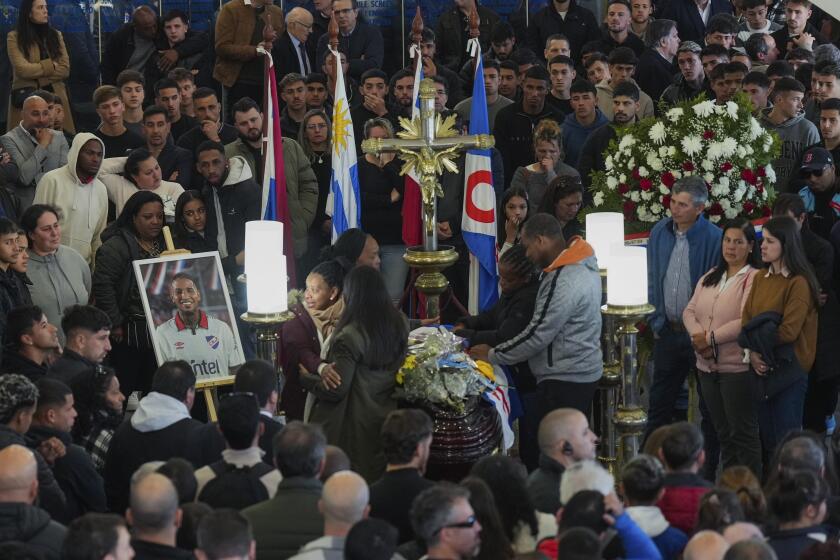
(192, 335)
(443, 518)
(362, 42)
(821, 193)
(296, 53)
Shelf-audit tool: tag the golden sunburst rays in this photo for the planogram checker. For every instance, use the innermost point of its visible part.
(342, 126)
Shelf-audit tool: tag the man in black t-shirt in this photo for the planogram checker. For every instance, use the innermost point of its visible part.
(117, 138)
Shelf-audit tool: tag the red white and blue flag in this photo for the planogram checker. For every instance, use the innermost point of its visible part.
(275, 203)
(412, 210)
(478, 225)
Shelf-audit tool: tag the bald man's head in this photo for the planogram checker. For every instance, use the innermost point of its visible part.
(345, 498)
(299, 23)
(741, 531)
(35, 113)
(751, 549)
(18, 475)
(154, 504)
(705, 545)
(564, 435)
(145, 22)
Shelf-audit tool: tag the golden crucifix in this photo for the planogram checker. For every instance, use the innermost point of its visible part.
(428, 145)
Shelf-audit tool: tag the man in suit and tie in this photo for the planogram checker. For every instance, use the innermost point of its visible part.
(296, 54)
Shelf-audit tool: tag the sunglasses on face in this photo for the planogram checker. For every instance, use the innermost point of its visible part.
(805, 173)
(469, 523)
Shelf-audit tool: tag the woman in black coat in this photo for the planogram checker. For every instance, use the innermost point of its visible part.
(135, 235)
(505, 320)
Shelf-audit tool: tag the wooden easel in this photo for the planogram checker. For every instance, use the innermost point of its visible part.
(207, 387)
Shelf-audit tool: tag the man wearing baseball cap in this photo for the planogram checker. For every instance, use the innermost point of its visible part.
(821, 194)
(18, 398)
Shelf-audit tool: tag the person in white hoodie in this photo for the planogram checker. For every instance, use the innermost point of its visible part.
(124, 176)
(643, 483)
(161, 428)
(76, 190)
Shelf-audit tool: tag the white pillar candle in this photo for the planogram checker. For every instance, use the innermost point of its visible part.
(602, 230)
(627, 280)
(265, 267)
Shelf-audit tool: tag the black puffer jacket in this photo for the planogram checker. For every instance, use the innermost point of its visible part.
(114, 289)
(50, 495)
(503, 321)
(33, 527)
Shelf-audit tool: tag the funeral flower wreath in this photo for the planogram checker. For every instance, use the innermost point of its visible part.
(723, 144)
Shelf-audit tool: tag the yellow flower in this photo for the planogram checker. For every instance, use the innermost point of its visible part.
(486, 369)
(409, 364)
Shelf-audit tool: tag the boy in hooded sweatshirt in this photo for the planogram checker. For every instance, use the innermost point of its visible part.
(76, 190)
(787, 118)
(585, 118)
(643, 484)
(561, 342)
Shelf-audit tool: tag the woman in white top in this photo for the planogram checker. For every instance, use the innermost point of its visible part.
(140, 171)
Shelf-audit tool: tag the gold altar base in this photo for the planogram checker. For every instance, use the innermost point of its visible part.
(609, 389)
(630, 419)
(431, 282)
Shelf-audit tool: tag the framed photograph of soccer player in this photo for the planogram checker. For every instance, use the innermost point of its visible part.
(189, 313)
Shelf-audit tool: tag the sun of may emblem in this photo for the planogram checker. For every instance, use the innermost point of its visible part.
(341, 124)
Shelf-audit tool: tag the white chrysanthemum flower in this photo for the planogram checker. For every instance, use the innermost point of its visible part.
(634, 196)
(598, 199)
(749, 150)
(718, 191)
(663, 151)
(612, 182)
(632, 163)
(647, 195)
(728, 146)
(674, 114)
(608, 163)
(707, 165)
(643, 172)
(755, 129)
(671, 150)
(715, 150)
(768, 142)
(626, 141)
(724, 182)
(704, 109)
(732, 109)
(741, 151)
(770, 173)
(656, 165)
(677, 174)
(724, 203)
(622, 178)
(656, 208)
(663, 189)
(708, 177)
(692, 145)
(738, 195)
(657, 133)
(731, 213)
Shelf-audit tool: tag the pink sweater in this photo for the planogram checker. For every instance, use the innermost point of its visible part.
(712, 311)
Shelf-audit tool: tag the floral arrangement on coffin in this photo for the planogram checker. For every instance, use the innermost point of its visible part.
(439, 372)
(723, 144)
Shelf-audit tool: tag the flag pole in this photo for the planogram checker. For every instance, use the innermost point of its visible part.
(268, 35)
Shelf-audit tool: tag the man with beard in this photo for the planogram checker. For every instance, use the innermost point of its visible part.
(34, 147)
(168, 96)
(210, 127)
(83, 198)
(616, 30)
(625, 106)
(192, 335)
(301, 183)
(444, 519)
(175, 163)
(401, 87)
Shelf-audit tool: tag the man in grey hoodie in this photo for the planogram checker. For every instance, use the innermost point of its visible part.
(787, 119)
(159, 430)
(561, 343)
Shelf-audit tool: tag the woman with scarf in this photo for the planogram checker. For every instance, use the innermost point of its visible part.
(304, 337)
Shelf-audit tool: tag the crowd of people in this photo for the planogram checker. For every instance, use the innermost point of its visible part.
(101, 452)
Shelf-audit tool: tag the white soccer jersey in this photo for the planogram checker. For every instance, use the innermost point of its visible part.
(210, 350)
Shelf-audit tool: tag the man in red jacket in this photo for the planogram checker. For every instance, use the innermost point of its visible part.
(683, 455)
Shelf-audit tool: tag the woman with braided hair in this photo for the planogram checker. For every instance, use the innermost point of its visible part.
(505, 320)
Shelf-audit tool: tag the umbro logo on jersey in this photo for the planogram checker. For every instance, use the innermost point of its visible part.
(212, 341)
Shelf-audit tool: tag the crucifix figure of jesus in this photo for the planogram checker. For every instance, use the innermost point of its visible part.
(428, 145)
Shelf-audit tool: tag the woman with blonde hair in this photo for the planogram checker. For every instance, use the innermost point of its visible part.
(548, 147)
(39, 60)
